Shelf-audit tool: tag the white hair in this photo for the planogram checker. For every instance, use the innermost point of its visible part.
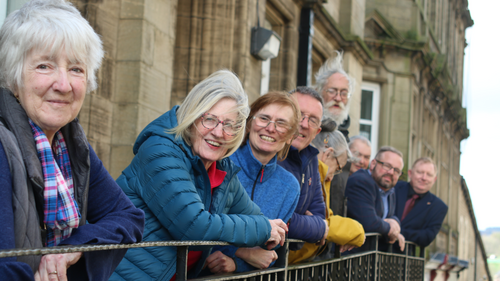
(335, 140)
(48, 26)
(220, 85)
(331, 66)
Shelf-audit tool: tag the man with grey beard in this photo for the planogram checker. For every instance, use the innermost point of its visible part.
(336, 87)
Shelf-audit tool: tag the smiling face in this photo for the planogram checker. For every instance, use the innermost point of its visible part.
(266, 142)
(311, 108)
(386, 179)
(422, 177)
(336, 104)
(52, 91)
(210, 144)
(361, 151)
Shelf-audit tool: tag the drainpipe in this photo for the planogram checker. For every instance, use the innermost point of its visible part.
(306, 33)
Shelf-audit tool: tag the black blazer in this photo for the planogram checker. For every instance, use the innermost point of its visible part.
(423, 222)
(364, 203)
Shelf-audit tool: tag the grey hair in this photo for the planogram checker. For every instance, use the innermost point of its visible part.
(309, 92)
(384, 149)
(219, 85)
(331, 66)
(361, 139)
(48, 26)
(335, 140)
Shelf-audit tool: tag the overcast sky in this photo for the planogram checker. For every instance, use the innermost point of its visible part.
(481, 151)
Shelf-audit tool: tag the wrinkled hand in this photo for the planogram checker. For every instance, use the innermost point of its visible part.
(278, 231)
(56, 263)
(394, 230)
(219, 263)
(257, 257)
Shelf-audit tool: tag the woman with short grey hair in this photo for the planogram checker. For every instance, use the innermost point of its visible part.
(54, 189)
(188, 188)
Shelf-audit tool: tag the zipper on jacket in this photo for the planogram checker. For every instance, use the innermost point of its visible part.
(303, 175)
(257, 178)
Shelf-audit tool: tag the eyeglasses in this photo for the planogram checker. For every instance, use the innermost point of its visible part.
(264, 121)
(389, 167)
(333, 92)
(339, 167)
(313, 121)
(211, 121)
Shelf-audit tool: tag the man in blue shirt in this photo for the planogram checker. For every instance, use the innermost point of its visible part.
(370, 195)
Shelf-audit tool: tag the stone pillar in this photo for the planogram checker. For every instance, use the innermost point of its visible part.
(143, 72)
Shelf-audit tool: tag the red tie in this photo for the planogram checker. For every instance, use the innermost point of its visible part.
(409, 205)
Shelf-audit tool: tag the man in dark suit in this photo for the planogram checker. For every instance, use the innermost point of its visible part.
(370, 195)
(421, 213)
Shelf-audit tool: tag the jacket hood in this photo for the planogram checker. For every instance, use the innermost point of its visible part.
(160, 127)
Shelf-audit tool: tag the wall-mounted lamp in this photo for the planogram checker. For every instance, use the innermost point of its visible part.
(265, 43)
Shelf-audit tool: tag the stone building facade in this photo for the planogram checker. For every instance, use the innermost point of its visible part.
(406, 57)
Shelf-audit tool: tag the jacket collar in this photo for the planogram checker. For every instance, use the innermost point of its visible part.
(304, 156)
(251, 166)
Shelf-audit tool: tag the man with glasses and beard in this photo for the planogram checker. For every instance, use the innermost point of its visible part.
(371, 199)
(336, 87)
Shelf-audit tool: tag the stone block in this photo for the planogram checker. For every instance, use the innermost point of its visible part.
(121, 156)
(163, 59)
(84, 114)
(132, 9)
(148, 43)
(103, 151)
(124, 131)
(129, 45)
(162, 14)
(153, 90)
(100, 119)
(146, 115)
(128, 81)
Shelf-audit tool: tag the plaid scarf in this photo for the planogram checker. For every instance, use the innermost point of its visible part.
(60, 209)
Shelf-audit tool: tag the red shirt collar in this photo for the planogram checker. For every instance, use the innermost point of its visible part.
(215, 176)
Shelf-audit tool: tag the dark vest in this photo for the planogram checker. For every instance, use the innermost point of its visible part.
(27, 177)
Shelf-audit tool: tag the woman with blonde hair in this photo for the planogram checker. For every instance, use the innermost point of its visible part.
(182, 178)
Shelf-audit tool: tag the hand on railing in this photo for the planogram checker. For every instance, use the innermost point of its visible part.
(257, 257)
(219, 263)
(53, 267)
(394, 230)
(278, 232)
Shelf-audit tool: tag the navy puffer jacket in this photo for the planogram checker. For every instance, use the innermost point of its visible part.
(171, 186)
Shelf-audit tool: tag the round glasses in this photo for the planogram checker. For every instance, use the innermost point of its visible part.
(264, 121)
(211, 121)
(333, 92)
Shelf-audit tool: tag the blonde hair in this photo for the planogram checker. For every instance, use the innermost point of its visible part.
(219, 85)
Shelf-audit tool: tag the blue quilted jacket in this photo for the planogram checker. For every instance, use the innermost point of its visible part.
(171, 186)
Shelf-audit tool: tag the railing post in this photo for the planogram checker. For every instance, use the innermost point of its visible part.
(182, 253)
(282, 261)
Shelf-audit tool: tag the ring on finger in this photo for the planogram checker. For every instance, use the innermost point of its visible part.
(53, 272)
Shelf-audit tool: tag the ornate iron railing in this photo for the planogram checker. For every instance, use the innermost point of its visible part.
(372, 264)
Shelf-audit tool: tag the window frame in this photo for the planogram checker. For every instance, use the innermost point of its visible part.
(374, 123)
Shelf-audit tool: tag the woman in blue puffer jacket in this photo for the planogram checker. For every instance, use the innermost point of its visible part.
(187, 187)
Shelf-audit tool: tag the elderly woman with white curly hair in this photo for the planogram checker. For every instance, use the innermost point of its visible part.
(182, 178)
(54, 189)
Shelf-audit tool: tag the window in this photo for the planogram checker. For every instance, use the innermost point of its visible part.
(9, 6)
(368, 122)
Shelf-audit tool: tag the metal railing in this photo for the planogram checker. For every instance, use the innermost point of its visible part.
(371, 264)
